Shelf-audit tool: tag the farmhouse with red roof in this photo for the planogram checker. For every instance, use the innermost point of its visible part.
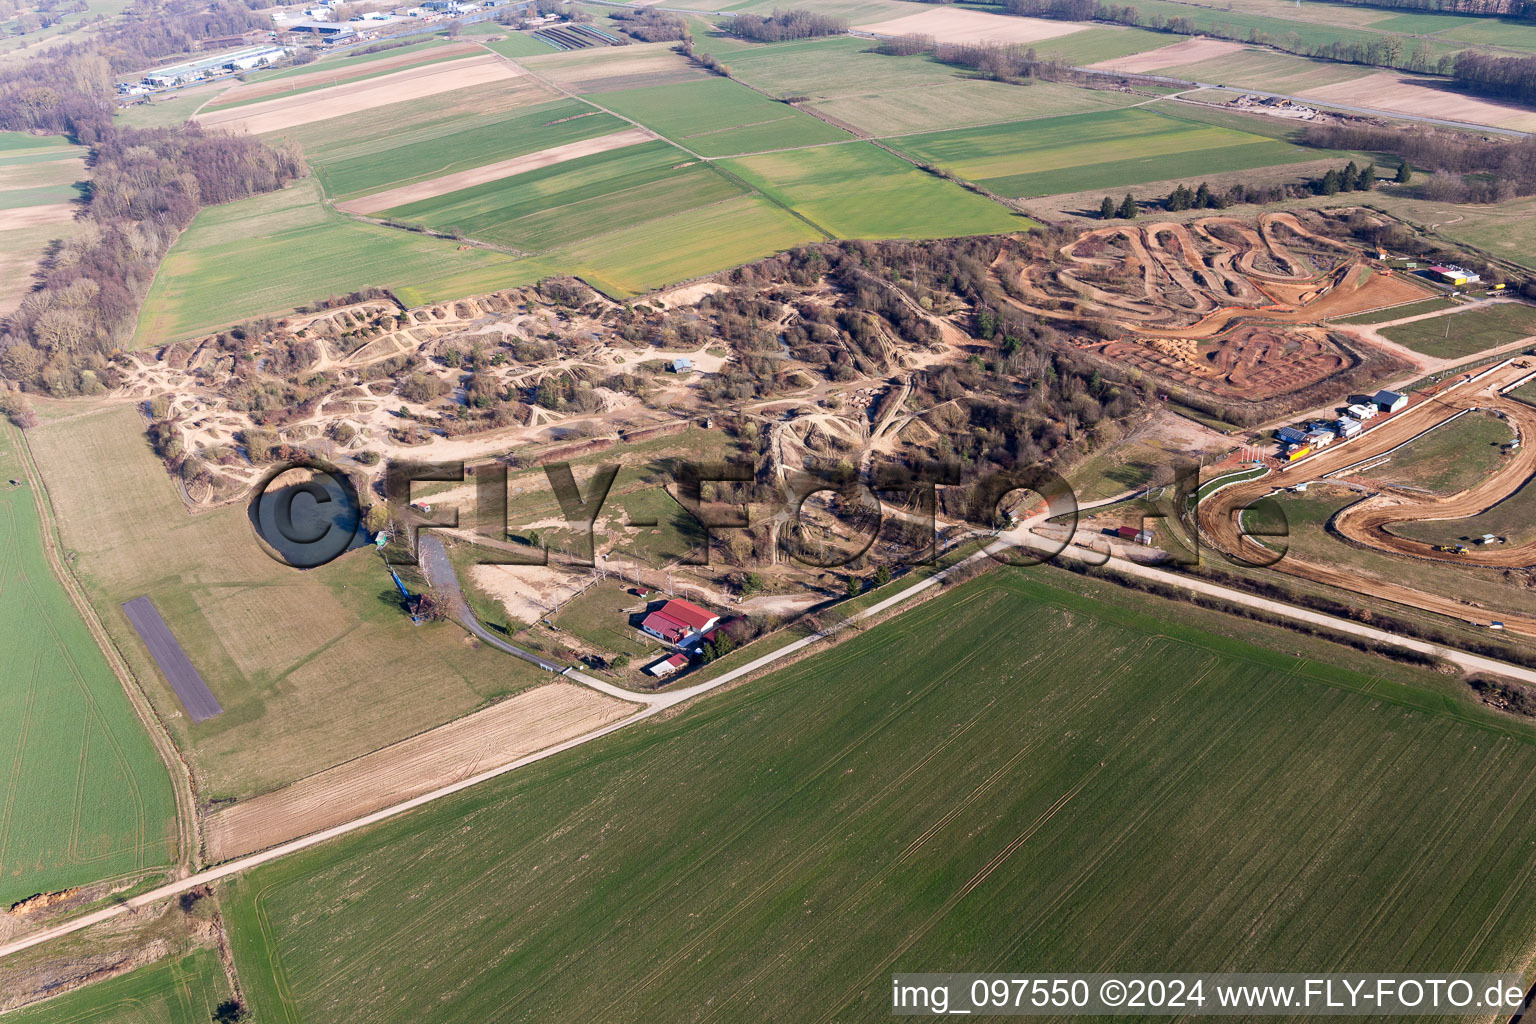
(678, 620)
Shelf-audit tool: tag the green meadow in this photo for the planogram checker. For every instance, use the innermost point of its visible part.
(1088, 151)
(184, 990)
(545, 208)
(285, 249)
(860, 191)
(1013, 773)
(84, 795)
(718, 117)
(845, 78)
(647, 255)
(487, 140)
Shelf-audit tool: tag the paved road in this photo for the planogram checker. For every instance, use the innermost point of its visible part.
(654, 704)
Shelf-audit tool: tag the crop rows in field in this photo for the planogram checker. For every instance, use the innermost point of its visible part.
(1009, 774)
(177, 990)
(1087, 151)
(83, 796)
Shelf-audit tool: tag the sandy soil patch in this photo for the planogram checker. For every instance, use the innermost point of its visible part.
(688, 295)
(1404, 94)
(494, 172)
(372, 69)
(344, 100)
(487, 739)
(528, 592)
(950, 26)
(36, 216)
(1187, 52)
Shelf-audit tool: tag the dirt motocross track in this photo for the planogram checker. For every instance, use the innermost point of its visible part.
(1368, 522)
(1217, 304)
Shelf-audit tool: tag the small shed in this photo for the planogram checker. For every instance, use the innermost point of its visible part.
(682, 364)
(666, 666)
(1390, 401)
(1290, 435)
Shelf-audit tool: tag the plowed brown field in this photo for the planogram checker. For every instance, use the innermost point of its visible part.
(486, 739)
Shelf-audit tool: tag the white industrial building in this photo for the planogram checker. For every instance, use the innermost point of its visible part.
(212, 67)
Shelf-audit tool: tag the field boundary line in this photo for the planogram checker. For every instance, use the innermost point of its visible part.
(706, 161)
(189, 836)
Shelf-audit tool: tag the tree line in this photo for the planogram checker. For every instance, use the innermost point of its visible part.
(1466, 168)
(1508, 78)
(783, 25)
(145, 187)
(1349, 178)
(650, 25)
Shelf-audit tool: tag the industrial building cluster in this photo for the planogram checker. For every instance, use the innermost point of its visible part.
(1299, 442)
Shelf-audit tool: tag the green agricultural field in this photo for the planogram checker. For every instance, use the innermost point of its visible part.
(1095, 44)
(1086, 151)
(1450, 458)
(1434, 305)
(553, 206)
(1012, 773)
(86, 797)
(521, 44)
(684, 245)
(34, 171)
(717, 117)
(312, 667)
(1466, 332)
(861, 191)
(174, 991)
(509, 134)
(284, 249)
(844, 78)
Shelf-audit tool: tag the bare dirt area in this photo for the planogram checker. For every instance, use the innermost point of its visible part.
(37, 216)
(494, 172)
(1369, 521)
(337, 76)
(1406, 94)
(344, 100)
(487, 739)
(952, 26)
(1188, 52)
(1220, 305)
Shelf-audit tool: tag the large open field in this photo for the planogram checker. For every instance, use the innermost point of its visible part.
(861, 191)
(182, 990)
(683, 245)
(844, 78)
(718, 117)
(440, 148)
(84, 795)
(1088, 151)
(38, 185)
(552, 206)
(312, 667)
(273, 252)
(1472, 330)
(1010, 774)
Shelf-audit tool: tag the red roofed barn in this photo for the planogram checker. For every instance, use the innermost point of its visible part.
(676, 621)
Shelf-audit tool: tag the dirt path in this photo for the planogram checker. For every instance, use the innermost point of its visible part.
(659, 703)
(1368, 525)
(494, 736)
